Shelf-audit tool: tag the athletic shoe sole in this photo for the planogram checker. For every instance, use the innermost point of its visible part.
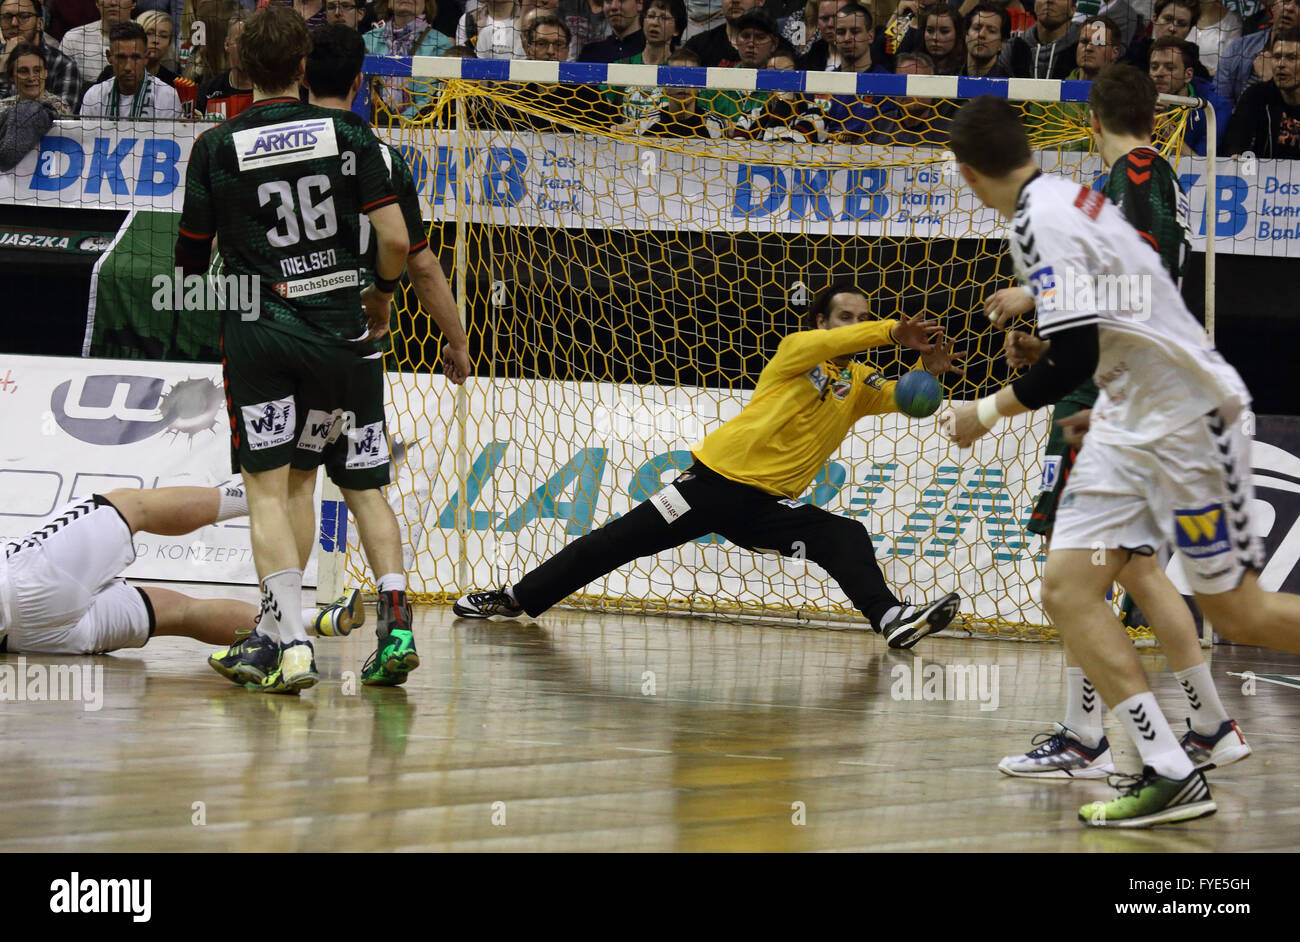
(239, 673)
(1221, 757)
(404, 664)
(1188, 812)
(1096, 771)
(460, 612)
(352, 614)
(927, 621)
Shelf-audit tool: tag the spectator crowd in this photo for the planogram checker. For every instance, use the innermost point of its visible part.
(180, 58)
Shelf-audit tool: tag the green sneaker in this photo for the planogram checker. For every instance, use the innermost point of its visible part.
(1149, 799)
(395, 654)
(394, 658)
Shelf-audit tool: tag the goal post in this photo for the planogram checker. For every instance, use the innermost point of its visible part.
(622, 292)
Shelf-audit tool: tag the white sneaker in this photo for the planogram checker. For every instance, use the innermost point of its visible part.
(1225, 747)
(1060, 755)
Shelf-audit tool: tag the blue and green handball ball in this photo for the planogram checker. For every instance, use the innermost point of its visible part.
(918, 394)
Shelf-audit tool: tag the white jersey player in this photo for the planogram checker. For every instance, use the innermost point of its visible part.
(61, 590)
(1166, 459)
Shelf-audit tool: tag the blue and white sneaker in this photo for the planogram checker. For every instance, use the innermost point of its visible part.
(1059, 755)
(1225, 747)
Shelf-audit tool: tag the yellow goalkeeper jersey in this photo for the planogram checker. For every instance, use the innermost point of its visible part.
(801, 410)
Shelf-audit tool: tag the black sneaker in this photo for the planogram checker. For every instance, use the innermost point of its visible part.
(912, 623)
(486, 604)
(250, 660)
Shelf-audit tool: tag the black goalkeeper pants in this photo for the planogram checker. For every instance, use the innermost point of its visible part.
(706, 502)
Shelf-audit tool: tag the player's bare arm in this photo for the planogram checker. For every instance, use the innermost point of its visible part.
(391, 246)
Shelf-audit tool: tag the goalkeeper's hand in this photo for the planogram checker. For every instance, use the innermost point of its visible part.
(944, 359)
(915, 333)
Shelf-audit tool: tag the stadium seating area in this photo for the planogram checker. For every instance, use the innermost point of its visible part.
(180, 58)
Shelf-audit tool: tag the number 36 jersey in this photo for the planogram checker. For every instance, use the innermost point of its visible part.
(284, 186)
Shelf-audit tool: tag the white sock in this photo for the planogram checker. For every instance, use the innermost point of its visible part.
(392, 582)
(233, 502)
(267, 626)
(309, 619)
(1083, 708)
(1150, 732)
(284, 591)
(1207, 710)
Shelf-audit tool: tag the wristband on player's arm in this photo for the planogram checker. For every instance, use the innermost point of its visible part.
(386, 285)
(1069, 363)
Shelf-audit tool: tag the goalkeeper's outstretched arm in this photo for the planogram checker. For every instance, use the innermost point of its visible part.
(1071, 359)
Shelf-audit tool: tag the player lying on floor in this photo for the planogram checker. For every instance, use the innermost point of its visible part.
(748, 475)
(61, 590)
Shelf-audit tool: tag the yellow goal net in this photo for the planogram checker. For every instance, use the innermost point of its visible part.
(623, 283)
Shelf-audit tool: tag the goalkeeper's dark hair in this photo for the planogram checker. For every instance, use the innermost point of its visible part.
(988, 135)
(275, 40)
(337, 52)
(854, 9)
(821, 306)
(1123, 98)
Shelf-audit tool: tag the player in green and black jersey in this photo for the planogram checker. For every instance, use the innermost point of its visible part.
(1145, 188)
(333, 77)
(283, 186)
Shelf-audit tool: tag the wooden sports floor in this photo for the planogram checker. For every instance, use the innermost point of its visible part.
(600, 733)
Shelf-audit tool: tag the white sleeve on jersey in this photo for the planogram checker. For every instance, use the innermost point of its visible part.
(1051, 253)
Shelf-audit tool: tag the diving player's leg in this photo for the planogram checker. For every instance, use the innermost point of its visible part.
(1108, 511)
(843, 548)
(212, 621)
(1213, 739)
(175, 511)
(680, 512)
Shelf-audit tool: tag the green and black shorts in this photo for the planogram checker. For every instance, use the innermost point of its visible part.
(294, 401)
(1058, 458)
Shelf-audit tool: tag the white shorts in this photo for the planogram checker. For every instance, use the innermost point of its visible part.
(65, 593)
(1190, 489)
